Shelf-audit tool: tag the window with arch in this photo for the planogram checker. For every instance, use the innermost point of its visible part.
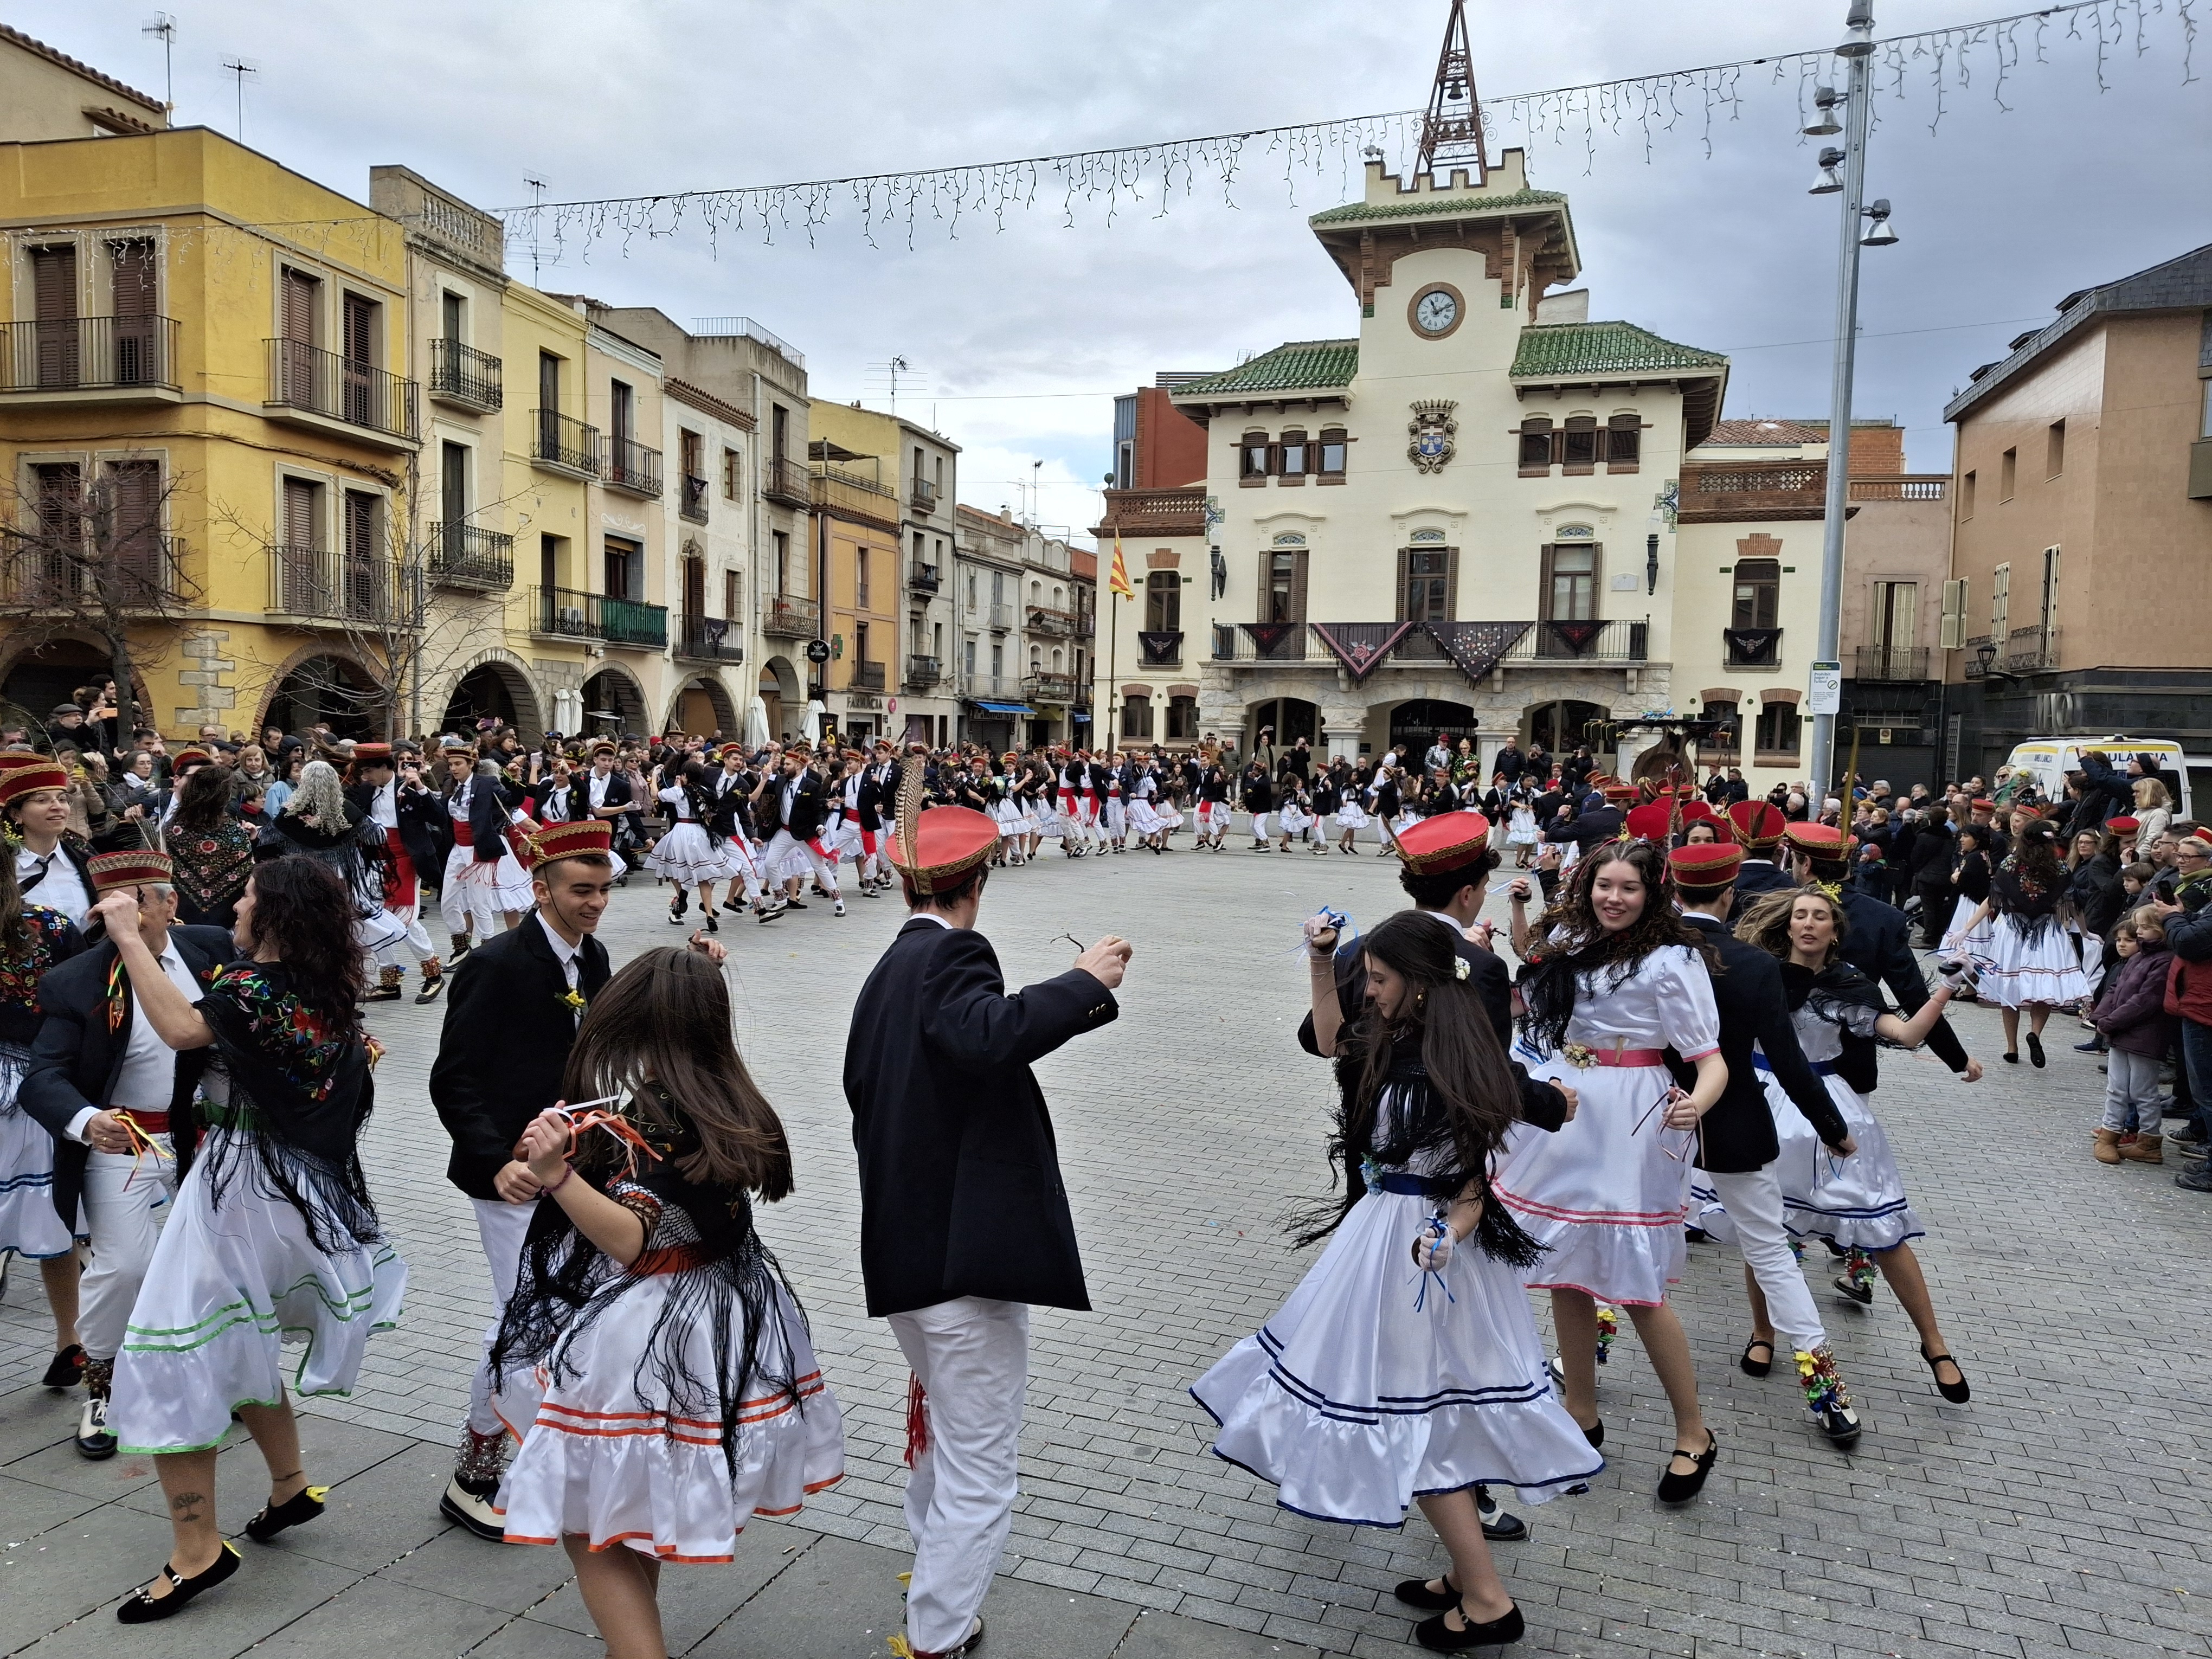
(1037, 660)
(1056, 659)
(1293, 453)
(1579, 451)
(1758, 598)
(1536, 446)
(1136, 716)
(1252, 458)
(1330, 455)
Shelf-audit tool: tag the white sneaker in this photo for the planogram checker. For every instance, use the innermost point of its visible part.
(95, 1439)
(839, 908)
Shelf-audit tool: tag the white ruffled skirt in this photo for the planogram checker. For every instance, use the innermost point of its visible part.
(227, 1288)
(1606, 1193)
(29, 1224)
(1143, 819)
(1352, 1401)
(604, 1459)
(1352, 816)
(2029, 962)
(1855, 1202)
(687, 855)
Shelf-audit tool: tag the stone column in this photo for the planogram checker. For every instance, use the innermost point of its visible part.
(1339, 730)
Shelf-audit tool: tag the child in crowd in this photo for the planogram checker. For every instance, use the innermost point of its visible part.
(2130, 1016)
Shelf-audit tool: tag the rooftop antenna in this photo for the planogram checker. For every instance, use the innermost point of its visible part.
(891, 371)
(166, 26)
(240, 68)
(1451, 131)
(537, 207)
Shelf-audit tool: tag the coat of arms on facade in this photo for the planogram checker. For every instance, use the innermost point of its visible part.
(1433, 429)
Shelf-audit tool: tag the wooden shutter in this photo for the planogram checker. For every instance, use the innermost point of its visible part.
(301, 291)
(2000, 602)
(300, 513)
(1298, 587)
(61, 493)
(361, 590)
(296, 558)
(135, 519)
(360, 329)
(54, 274)
(1953, 637)
(134, 280)
(363, 405)
(1620, 444)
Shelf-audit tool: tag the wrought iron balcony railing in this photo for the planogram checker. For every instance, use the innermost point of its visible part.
(693, 505)
(924, 578)
(1044, 619)
(469, 556)
(564, 443)
(710, 639)
(923, 674)
(88, 354)
(319, 585)
(313, 381)
(568, 613)
(631, 467)
(462, 374)
(786, 617)
(788, 481)
(1893, 662)
(867, 676)
(139, 575)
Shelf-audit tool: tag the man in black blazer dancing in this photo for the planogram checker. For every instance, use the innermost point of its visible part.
(965, 1221)
(510, 1021)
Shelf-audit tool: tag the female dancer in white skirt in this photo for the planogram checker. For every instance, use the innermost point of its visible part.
(1294, 814)
(1350, 816)
(1406, 1367)
(1521, 833)
(2030, 961)
(32, 939)
(481, 891)
(652, 1362)
(1615, 977)
(1145, 817)
(687, 856)
(1857, 1204)
(273, 1235)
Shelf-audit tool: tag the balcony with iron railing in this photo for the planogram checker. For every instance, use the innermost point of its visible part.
(922, 498)
(788, 617)
(313, 584)
(632, 468)
(1751, 648)
(328, 393)
(923, 579)
(1160, 649)
(1050, 622)
(569, 613)
(996, 617)
(1620, 640)
(865, 677)
(461, 374)
(709, 638)
(923, 674)
(140, 573)
(1048, 688)
(562, 443)
(1893, 662)
(1155, 512)
(469, 556)
(991, 688)
(80, 359)
(692, 506)
(788, 483)
(852, 494)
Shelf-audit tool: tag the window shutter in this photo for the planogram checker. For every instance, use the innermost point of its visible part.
(131, 267)
(360, 329)
(2000, 601)
(1298, 587)
(54, 278)
(299, 513)
(299, 291)
(1620, 444)
(135, 489)
(360, 527)
(1904, 615)
(1451, 583)
(1954, 635)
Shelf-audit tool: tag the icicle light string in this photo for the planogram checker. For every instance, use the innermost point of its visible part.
(1647, 107)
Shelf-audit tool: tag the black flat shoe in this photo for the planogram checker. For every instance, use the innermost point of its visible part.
(1681, 1488)
(1595, 1433)
(140, 1608)
(1842, 1426)
(300, 1507)
(1438, 1636)
(1861, 1294)
(67, 1369)
(1751, 1367)
(2034, 1050)
(1957, 1392)
(2009, 1059)
(1497, 1527)
(1416, 1593)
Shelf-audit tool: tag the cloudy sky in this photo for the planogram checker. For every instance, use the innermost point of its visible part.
(1019, 338)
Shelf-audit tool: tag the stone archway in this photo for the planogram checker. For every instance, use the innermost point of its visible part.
(317, 683)
(44, 670)
(494, 683)
(700, 705)
(614, 702)
(783, 694)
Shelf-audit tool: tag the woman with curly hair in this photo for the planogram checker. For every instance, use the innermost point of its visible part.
(1858, 1203)
(2030, 961)
(1367, 1393)
(1615, 978)
(210, 852)
(647, 1298)
(273, 1235)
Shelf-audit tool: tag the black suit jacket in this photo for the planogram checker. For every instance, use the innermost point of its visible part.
(1737, 1134)
(76, 1056)
(504, 1046)
(1756, 877)
(1877, 947)
(808, 806)
(960, 1185)
(1540, 1103)
(426, 828)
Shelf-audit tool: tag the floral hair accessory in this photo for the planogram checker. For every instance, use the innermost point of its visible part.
(1459, 968)
(1834, 889)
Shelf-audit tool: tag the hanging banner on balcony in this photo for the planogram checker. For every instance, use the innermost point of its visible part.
(1576, 637)
(1270, 636)
(1476, 647)
(1751, 647)
(1161, 649)
(1361, 647)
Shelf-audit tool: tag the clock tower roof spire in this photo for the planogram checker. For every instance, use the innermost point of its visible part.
(1451, 131)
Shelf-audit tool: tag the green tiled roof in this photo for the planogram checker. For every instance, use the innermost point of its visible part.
(1579, 350)
(1296, 366)
(1355, 212)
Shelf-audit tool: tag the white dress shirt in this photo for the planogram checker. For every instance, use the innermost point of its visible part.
(146, 1079)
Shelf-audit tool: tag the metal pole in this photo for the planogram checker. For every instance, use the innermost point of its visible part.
(1856, 99)
(1113, 668)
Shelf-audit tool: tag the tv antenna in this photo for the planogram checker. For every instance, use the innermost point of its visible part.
(537, 207)
(166, 25)
(891, 373)
(240, 68)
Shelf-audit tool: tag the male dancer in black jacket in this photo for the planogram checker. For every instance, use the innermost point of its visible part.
(510, 1022)
(964, 1221)
(418, 832)
(95, 1063)
(1736, 1144)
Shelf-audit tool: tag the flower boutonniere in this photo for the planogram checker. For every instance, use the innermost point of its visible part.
(574, 1001)
(1577, 1056)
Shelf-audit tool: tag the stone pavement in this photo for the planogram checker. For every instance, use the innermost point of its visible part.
(2062, 1512)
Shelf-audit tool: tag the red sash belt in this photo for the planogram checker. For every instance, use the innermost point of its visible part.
(152, 1123)
(1629, 1056)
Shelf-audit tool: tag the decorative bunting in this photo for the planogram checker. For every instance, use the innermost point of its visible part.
(1576, 637)
(1161, 649)
(1477, 647)
(1361, 647)
(1271, 636)
(1751, 647)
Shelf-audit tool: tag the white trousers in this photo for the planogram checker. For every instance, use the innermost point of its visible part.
(126, 1199)
(412, 934)
(1753, 1201)
(1258, 826)
(973, 1358)
(469, 897)
(783, 845)
(1117, 818)
(501, 1226)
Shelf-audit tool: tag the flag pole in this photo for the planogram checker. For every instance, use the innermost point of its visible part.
(1113, 670)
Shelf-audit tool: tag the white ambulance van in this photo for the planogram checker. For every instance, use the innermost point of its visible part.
(2050, 759)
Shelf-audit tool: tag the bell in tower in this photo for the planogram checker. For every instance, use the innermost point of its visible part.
(1451, 131)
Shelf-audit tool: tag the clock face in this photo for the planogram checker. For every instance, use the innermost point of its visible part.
(1436, 313)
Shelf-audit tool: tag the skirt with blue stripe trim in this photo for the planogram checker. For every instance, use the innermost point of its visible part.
(29, 1224)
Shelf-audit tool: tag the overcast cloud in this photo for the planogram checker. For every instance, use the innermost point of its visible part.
(2000, 215)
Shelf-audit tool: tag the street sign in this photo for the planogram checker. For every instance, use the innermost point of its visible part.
(817, 651)
(1825, 695)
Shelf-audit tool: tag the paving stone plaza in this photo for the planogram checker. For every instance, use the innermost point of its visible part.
(2063, 1511)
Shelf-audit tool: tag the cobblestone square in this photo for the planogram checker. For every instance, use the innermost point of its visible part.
(2062, 1511)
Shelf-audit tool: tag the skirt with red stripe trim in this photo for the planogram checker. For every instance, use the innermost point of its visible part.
(602, 1458)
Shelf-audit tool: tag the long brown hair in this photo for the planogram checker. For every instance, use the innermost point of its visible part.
(1767, 924)
(660, 1033)
(14, 932)
(303, 911)
(1550, 987)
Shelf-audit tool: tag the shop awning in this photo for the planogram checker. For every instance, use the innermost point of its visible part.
(1004, 707)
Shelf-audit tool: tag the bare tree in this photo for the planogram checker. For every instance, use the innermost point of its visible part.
(92, 554)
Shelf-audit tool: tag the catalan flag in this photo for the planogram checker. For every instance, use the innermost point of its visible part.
(1117, 581)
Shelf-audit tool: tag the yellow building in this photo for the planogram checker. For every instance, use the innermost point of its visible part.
(856, 528)
(210, 436)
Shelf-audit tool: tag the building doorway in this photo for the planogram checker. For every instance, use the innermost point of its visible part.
(1289, 718)
(1417, 724)
(1558, 726)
